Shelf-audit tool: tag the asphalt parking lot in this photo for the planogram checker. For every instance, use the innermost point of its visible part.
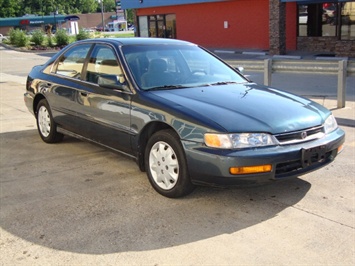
(74, 203)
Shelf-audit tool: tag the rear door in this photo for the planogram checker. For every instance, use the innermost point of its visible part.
(64, 84)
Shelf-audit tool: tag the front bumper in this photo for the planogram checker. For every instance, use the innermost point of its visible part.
(211, 166)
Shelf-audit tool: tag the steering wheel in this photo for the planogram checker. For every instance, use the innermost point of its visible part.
(195, 75)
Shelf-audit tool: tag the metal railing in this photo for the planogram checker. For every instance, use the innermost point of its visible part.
(341, 68)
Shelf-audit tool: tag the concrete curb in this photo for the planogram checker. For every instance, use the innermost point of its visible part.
(24, 50)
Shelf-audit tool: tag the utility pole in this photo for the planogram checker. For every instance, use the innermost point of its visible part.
(102, 15)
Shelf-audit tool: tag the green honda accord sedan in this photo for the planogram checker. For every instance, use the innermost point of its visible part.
(184, 115)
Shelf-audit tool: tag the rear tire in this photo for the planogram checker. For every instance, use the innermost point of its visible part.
(46, 126)
(166, 165)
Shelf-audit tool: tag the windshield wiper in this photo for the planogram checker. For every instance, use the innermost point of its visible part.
(222, 83)
(166, 87)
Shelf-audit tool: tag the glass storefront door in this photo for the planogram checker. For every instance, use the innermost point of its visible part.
(162, 26)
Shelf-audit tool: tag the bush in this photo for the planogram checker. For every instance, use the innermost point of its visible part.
(22, 40)
(50, 41)
(37, 37)
(12, 36)
(18, 38)
(82, 35)
(61, 38)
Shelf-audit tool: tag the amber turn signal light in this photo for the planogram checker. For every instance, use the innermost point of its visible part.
(250, 169)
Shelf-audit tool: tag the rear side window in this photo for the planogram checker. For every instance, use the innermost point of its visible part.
(71, 63)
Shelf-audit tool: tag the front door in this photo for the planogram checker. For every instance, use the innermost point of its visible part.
(106, 110)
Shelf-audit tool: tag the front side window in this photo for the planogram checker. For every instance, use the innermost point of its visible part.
(103, 67)
(71, 63)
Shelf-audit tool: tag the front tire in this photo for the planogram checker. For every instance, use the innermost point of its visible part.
(46, 126)
(166, 166)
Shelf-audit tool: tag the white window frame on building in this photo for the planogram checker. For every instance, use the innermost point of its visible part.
(327, 19)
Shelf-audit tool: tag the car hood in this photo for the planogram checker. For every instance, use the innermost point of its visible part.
(246, 107)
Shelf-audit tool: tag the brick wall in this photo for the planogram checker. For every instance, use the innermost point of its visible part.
(94, 20)
(277, 27)
(326, 45)
(345, 48)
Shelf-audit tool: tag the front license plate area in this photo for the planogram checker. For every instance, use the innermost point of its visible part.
(313, 155)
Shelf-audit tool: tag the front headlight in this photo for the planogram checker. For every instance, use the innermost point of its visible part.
(239, 140)
(330, 124)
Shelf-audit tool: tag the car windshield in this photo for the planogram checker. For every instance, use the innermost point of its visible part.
(156, 67)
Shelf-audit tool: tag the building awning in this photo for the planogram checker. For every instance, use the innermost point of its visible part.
(128, 4)
(31, 20)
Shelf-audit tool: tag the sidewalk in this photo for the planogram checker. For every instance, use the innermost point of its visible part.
(344, 116)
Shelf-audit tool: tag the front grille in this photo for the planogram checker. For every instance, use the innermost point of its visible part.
(301, 135)
(286, 169)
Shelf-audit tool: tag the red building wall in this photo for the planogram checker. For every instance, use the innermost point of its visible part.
(291, 26)
(248, 23)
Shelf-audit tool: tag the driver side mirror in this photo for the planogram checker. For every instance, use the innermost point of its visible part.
(240, 70)
(112, 82)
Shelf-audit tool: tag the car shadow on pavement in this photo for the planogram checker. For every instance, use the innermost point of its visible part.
(78, 197)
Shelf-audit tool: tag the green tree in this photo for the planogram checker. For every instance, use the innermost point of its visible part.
(88, 6)
(130, 16)
(109, 6)
(9, 8)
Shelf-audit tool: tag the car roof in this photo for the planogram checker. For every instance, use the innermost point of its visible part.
(140, 41)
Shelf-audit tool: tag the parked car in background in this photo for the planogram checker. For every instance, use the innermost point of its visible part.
(185, 116)
(89, 30)
(102, 29)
